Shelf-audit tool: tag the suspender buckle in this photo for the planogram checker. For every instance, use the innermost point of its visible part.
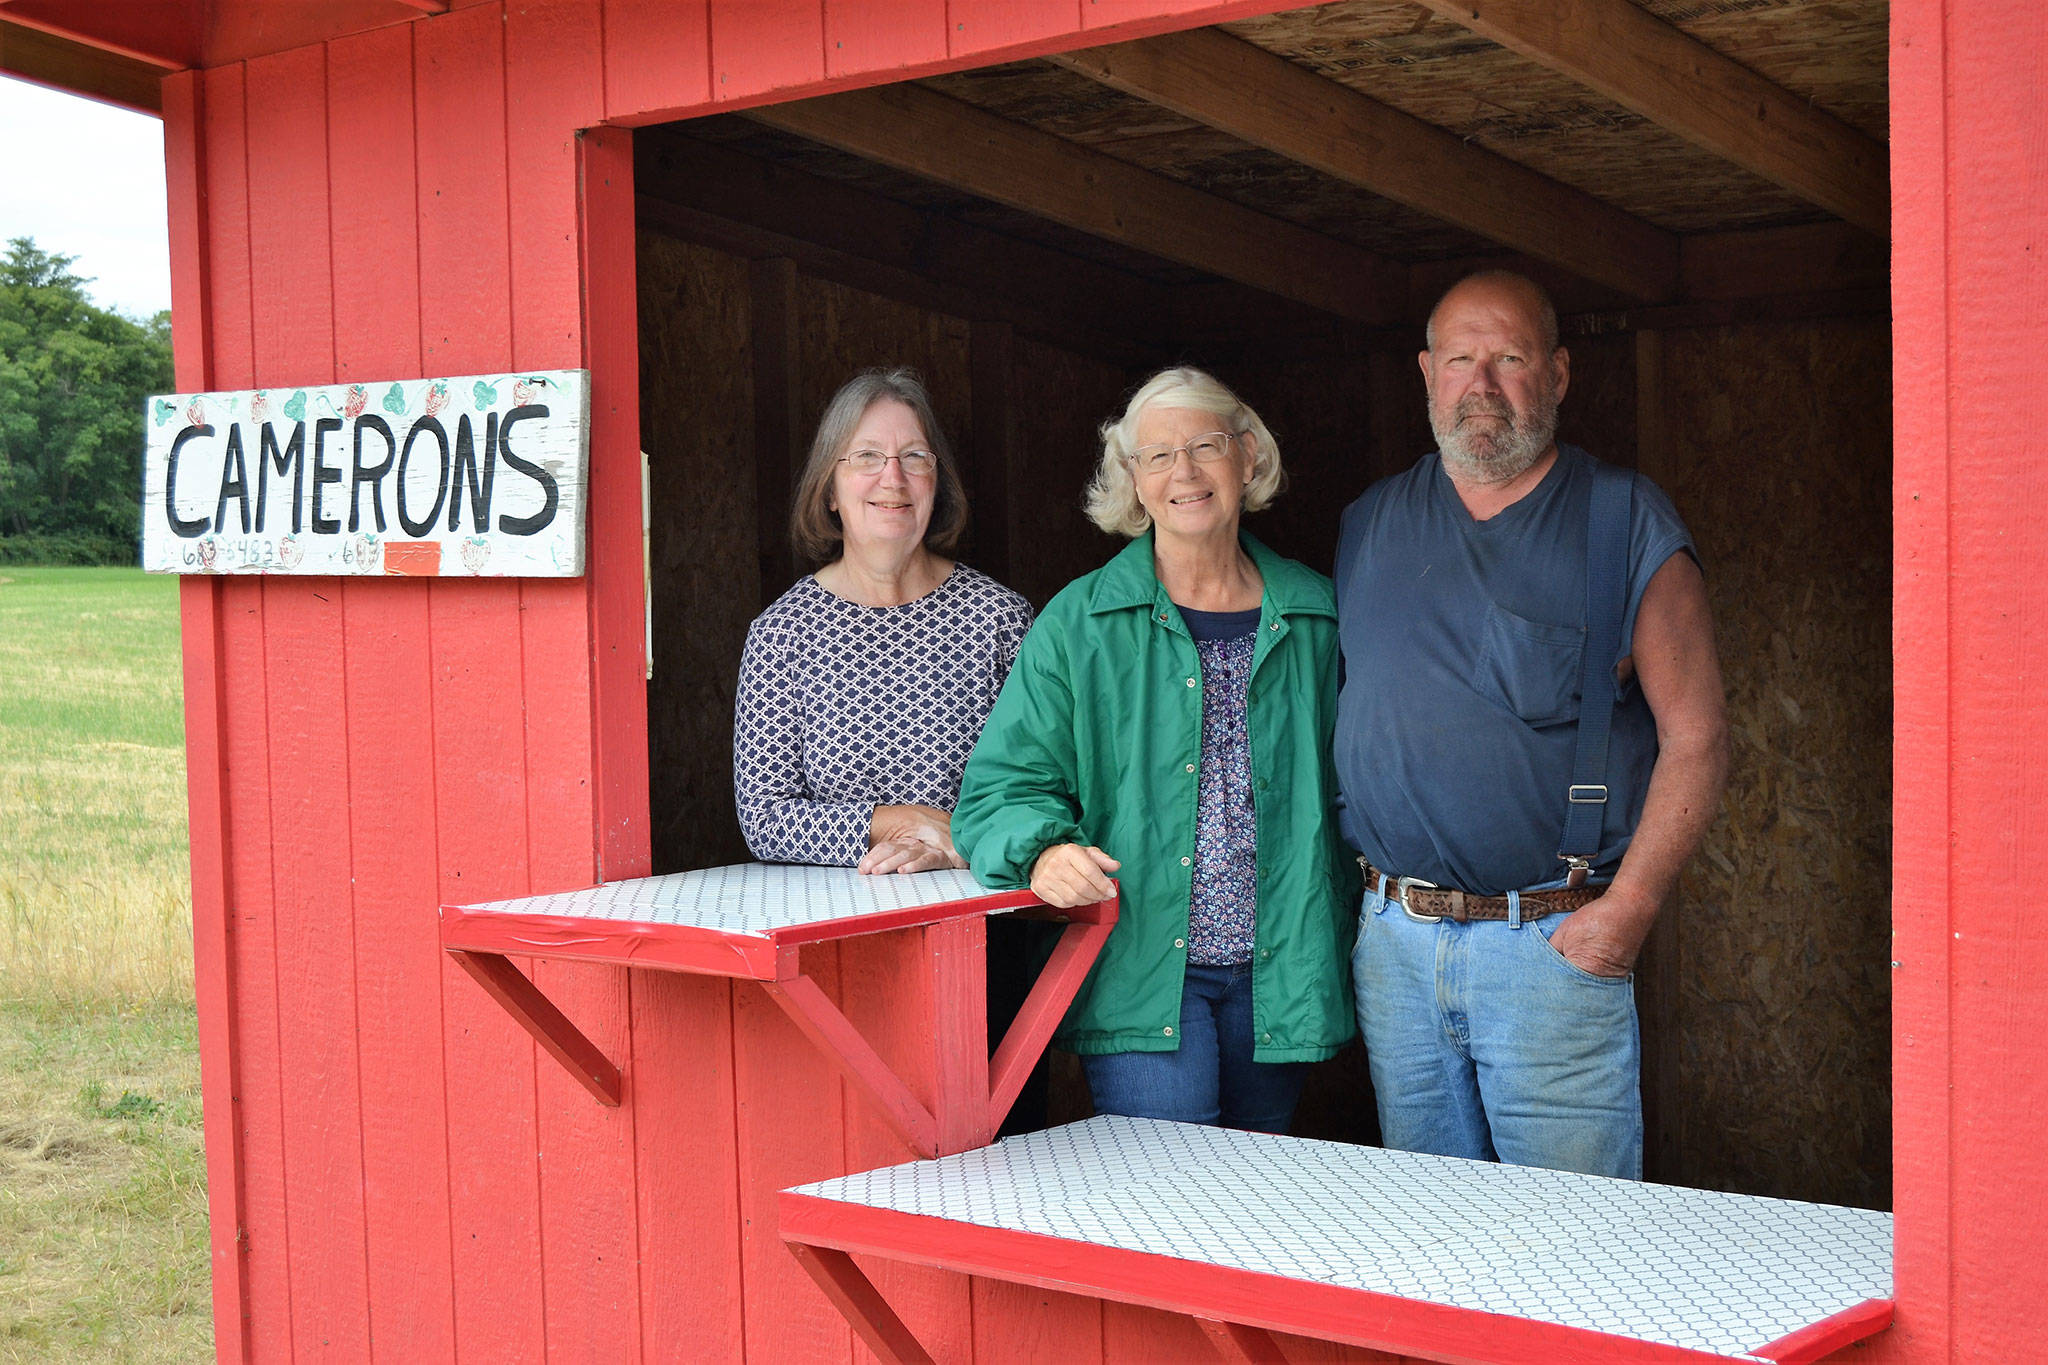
(1586, 794)
(1579, 867)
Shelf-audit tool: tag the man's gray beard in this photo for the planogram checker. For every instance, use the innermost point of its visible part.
(1491, 456)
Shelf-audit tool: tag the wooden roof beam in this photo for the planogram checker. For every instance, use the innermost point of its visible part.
(1250, 93)
(80, 69)
(927, 134)
(721, 197)
(1712, 101)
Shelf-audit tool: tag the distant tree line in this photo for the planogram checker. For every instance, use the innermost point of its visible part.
(73, 377)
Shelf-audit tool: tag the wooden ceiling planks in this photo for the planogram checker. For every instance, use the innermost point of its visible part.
(918, 130)
(1046, 96)
(1240, 88)
(1402, 54)
(1689, 88)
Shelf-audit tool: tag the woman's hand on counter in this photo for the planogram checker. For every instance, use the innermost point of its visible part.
(909, 839)
(1067, 875)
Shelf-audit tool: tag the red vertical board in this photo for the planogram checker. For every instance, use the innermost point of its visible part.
(208, 814)
(1996, 316)
(985, 25)
(554, 77)
(1922, 1033)
(1140, 1336)
(791, 1128)
(308, 706)
(478, 698)
(681, 1090)
(763, 45)
(1017, 1324)
(245, 743)
(881, 35)
(889, 987)
(388, 678)
(657, 55)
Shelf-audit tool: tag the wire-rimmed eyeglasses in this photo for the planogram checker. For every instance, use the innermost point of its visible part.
(1209, 446)
(916, 463)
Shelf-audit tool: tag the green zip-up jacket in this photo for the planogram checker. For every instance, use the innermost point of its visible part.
(1097, 739)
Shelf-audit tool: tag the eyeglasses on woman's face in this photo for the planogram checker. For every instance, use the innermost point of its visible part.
(1204, 449)
(917, 464)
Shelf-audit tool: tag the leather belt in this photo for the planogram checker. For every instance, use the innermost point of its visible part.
(1426, 901)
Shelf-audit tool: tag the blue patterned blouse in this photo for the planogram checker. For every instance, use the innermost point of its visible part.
(1224, 904)
(843, 708)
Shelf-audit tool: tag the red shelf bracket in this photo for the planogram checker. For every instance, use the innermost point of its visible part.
(861, 1304)
(835, 1036)
(510, 987)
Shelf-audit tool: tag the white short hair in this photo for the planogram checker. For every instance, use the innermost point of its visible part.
(1112, 499)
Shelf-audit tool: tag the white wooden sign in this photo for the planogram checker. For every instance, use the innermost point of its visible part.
(480, 475)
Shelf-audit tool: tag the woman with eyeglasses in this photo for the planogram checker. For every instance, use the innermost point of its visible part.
(863, 687)
(1168, 721)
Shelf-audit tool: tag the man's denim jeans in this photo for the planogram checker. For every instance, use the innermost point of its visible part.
(1212, 1077)
(1486, 1043)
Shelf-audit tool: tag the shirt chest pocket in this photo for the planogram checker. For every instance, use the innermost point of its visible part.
(1530, 667)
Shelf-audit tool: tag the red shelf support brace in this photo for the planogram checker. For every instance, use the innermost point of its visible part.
(480, 938)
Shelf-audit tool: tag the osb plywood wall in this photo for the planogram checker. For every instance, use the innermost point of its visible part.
(1766, 1001)
(697, 427)
(1778, 442)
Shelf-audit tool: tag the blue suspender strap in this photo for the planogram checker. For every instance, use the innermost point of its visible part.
(1608, 513)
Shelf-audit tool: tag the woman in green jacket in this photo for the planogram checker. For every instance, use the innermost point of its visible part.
(1168, 720)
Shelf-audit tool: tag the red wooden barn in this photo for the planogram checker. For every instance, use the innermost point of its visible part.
(1796, 244)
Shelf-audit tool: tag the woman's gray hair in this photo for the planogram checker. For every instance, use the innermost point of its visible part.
(1112, 499)
(814, 528)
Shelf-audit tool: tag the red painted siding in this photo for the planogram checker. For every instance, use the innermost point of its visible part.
(372, 184)
(409, 1181)
(1970, 303)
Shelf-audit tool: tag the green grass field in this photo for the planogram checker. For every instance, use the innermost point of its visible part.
(102, 1172)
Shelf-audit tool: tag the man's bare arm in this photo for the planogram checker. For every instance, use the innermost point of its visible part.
(1680, 675)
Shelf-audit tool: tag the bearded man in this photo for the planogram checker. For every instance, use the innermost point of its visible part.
(1531, 740)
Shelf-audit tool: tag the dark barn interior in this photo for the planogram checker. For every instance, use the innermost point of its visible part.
(1278, 200)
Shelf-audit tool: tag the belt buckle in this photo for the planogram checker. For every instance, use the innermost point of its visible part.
(1401, 886)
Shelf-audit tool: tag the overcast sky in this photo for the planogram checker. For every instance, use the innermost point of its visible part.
(86, 179)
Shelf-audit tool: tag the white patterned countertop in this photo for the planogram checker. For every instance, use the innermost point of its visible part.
(1698, 1269)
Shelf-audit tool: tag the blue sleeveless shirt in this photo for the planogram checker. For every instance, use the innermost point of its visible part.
(1461, 642)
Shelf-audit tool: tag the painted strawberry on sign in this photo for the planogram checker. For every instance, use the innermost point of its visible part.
(290, 552)
(475, 551)
(209, 552)
(437, 397)
(353, 405)
(259, 405)
(524, 390)
(196, 413)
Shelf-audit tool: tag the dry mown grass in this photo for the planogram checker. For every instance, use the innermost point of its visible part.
(102, 1173)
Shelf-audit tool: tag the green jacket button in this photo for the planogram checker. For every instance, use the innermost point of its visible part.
(1187, 862)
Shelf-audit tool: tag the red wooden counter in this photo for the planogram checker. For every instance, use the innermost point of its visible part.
(876, 982)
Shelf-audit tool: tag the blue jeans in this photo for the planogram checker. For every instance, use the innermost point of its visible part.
(1212, 1077)
(1484, 1042)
